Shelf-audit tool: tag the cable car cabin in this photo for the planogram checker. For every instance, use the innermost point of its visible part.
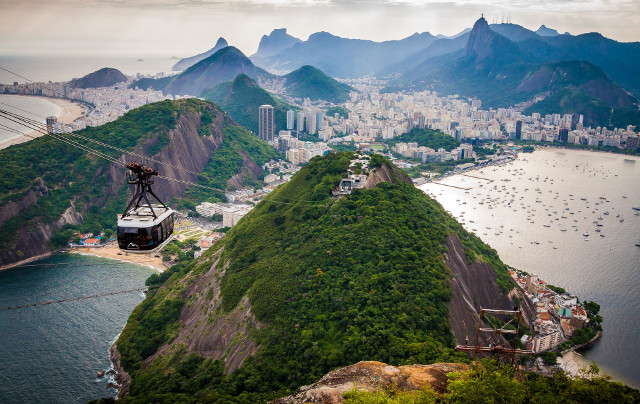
(140, 232)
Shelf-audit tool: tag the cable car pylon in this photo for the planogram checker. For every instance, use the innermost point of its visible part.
(507, 352)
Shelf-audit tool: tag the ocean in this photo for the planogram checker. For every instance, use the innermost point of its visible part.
(536, 211)
(65, 68)
(52, 353)
(62, 69)
(39, 108)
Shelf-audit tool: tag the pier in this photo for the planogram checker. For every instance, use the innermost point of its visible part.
(478, 178)
(452, 186)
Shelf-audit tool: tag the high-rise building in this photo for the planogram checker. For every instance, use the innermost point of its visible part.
(311, 122)
(266, 125)
(563, 135)
(518, 130)
(319, 119)
(291, 116)
(300, 122)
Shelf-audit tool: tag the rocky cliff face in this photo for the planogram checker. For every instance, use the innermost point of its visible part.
(474, 287)
(206, 329)
(384, 173)
(32, 240)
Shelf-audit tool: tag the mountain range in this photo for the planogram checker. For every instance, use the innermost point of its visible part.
(229, 62)
(501, 71)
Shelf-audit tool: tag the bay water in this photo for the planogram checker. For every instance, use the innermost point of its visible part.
(52, 353)
(566, 215)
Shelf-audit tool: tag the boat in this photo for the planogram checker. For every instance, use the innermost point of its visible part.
(585, 234)
(636, 207)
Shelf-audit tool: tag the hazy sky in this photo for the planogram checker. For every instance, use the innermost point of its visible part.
(186, 27)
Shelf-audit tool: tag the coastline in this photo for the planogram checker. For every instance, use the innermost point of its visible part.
(26, 261)
(69, 112)
(111, 251)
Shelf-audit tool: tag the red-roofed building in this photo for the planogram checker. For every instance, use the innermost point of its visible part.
(91, 242)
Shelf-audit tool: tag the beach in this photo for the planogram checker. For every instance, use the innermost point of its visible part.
(573, 363)
(113, 252)
(67, 112)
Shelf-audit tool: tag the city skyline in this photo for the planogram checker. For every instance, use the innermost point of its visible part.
(185, 27)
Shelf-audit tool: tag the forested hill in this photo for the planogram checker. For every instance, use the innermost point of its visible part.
(310, 82)
(49, 189)
(303, 284)
(241, 99)
(105, 77)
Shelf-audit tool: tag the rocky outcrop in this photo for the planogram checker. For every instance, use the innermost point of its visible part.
(473, 287)
(187, 150)
(386, 174)
(32, 239)
(121, 377)
(206, 329)
(250, 169)
(11, 209)
(371, 376)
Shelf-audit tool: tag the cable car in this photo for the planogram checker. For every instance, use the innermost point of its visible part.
(144, 227)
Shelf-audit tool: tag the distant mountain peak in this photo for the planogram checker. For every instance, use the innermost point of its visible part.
(481, 40)
(221, 43)
(546, 31)
(277, 41)
(186, 63)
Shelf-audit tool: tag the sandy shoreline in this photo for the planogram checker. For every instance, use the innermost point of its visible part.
(113, 252)
(68, 112)
(573, 363)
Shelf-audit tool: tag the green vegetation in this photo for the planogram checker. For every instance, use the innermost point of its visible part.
(156, 84)
(241, 98)
(557, 289)
(310, 82)
(334, 281)
(391, 396)
(434, 139)
(342, 111)
(224, 163)
(72, 176)
(489, 382)
(571, 100)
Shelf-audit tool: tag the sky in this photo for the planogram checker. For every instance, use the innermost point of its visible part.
(187, 27)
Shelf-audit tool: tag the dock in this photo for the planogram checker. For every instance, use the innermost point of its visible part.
(452, 186)
(476, 177)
